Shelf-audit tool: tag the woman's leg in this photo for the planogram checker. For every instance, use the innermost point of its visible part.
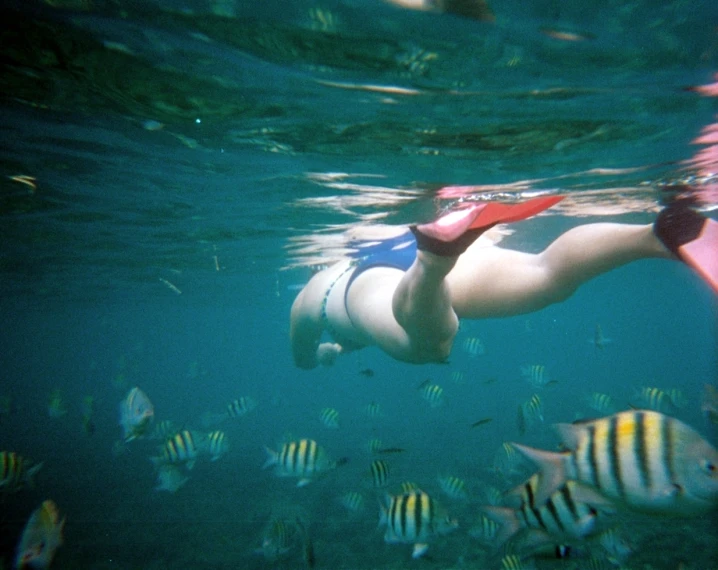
(409, 315)
(493, 282)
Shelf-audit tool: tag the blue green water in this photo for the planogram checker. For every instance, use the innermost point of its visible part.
(176, 146)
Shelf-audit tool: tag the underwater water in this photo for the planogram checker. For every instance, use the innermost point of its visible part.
(173, 171)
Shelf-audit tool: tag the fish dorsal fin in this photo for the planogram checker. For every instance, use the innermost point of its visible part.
(552, 468)
(419, 550)
(582, 493)
(570, 434)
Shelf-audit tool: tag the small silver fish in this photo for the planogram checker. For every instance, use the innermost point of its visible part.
(41, 537)
(170, 478)
(136, 414)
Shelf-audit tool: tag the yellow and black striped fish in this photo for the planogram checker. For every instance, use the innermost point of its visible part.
(408, 486)
(516, 562)
(432, 393)
(241, 406)
(563, 516)
(352, 501)
(164, 430)
(372, 410)
(529, 414)
(453, 486)
(379, 472)
(181, 448)
(303, 458)
(414, 518)
(653, 399)
(217, 444)
(16, 471)
(329, 417)
(485, 529)
(536, 375)
(374, 445)
(600, 402)
(278, 538)
(473, 346)
(639, 458)
(458, 377)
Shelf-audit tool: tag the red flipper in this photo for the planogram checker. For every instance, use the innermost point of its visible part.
(454, 232)
(499, 213)
(702, 253)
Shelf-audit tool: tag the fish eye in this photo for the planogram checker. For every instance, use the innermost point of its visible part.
(709, 466)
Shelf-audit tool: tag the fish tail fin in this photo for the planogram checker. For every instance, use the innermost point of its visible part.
(552, 466)
(157, 461)
(30, 474)
(419, 550)
(60, 530)
(272, 458)
(384, 504)
(508, 521)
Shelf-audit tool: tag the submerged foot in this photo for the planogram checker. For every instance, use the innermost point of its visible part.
(453, 233)
(450, 235)
(691, 237)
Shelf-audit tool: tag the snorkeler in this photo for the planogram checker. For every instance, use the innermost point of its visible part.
(406, 294)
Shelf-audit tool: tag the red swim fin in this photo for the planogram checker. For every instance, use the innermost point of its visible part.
(692, 237)
(454, 232)
(702, 253)
(499, 213)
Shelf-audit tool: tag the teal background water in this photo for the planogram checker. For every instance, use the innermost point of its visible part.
(171, 142)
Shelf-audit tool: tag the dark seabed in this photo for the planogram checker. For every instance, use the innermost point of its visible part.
(171, 170)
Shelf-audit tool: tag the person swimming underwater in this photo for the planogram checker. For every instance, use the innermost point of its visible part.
(406, 294)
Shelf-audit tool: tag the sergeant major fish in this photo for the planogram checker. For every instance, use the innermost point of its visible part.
(641, 459)
(432, 393)
(278, 538)
(561, 517)
(379, 473)
(352, 501)
(529, 413)
(217, 445)
(329, 417)
(241, 407)
(535, 374)
(414, 518)
(16, 471)
(304, 459)
(180, 449)
(453, 486)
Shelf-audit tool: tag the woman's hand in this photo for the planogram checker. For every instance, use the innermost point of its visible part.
(327, 353)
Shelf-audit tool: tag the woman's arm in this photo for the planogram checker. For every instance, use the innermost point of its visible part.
(305, 330)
